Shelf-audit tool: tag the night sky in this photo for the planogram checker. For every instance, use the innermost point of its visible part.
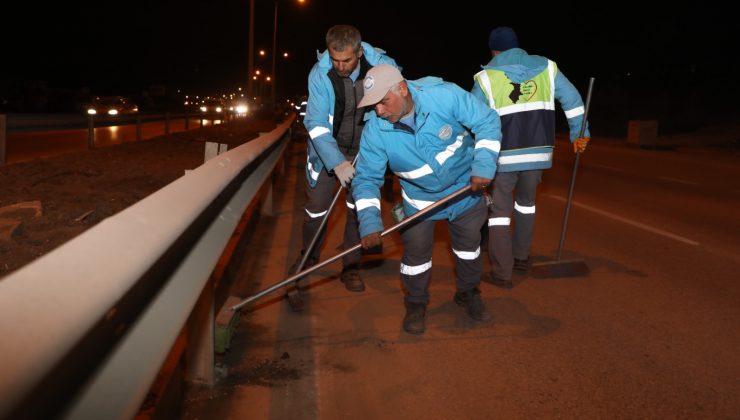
(201, 46)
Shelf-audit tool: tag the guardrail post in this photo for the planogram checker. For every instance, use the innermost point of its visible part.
(90, 132)
(167, 123)
(200, 336)
(282, 163)
(267, 204)
(138, 127)
(3, 138)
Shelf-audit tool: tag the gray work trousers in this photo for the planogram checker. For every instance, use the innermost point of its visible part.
(418, 241)
(502, 249)
(318, 200)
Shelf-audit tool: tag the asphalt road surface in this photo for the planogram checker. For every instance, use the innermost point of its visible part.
(652, 332)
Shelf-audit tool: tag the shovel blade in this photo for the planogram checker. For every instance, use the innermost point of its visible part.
(559, 269)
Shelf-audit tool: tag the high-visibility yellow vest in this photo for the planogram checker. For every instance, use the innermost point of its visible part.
(527, 109)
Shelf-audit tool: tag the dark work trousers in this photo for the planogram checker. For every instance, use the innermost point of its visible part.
(318, 200)
(418, 241)
(513, 196)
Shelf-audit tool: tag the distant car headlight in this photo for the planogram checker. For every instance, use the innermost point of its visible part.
(241, 109)
(203, 109)
(219, 109)
(112, 112)
(91, 111)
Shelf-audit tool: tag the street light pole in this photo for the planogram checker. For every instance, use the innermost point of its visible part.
(250, 65)
(274, 54)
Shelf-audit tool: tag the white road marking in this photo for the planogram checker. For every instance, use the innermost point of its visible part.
(680, 181)
(629, 222)
(610, 168)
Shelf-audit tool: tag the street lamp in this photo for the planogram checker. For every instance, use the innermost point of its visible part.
(274, 54)
(250, 70)
(250, 58)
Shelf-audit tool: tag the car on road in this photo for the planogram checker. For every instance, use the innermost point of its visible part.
(213, 106)
(112, 105)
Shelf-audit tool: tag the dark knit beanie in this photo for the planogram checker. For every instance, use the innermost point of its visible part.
(502, 38)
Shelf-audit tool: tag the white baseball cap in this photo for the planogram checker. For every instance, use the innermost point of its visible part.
(378, 82)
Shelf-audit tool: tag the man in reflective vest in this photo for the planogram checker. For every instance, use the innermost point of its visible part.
(522, 88)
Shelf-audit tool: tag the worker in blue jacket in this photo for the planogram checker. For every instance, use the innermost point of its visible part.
(522, 89)
(334, 124)
(420, 130)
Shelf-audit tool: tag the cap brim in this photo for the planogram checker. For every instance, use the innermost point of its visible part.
(371, 99)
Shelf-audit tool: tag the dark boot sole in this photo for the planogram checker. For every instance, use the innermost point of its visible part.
(460, 303)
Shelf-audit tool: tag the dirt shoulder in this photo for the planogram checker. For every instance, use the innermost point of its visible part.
(48, 201)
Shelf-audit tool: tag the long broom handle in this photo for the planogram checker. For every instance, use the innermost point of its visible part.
(315, 239)
(391, 229)
(575, 169)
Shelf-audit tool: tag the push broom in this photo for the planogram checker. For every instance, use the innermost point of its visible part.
(294, 297)
(318, 265)
(566, 268)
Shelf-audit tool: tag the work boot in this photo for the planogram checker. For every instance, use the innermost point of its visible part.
(473, 304)
(414, 321)
(498, 281)
(521, 266)
(352, 280)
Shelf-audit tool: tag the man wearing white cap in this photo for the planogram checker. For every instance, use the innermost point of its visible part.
(420, 130)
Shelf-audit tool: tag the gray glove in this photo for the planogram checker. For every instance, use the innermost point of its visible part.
(345, 172)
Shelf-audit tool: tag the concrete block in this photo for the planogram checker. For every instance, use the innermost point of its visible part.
(643, 133)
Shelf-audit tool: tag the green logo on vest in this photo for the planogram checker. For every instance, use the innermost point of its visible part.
(523, 91)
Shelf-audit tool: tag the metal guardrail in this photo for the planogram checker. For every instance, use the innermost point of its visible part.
(85, 328)
(44, 122)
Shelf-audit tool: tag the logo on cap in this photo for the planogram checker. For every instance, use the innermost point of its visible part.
(369, 83)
